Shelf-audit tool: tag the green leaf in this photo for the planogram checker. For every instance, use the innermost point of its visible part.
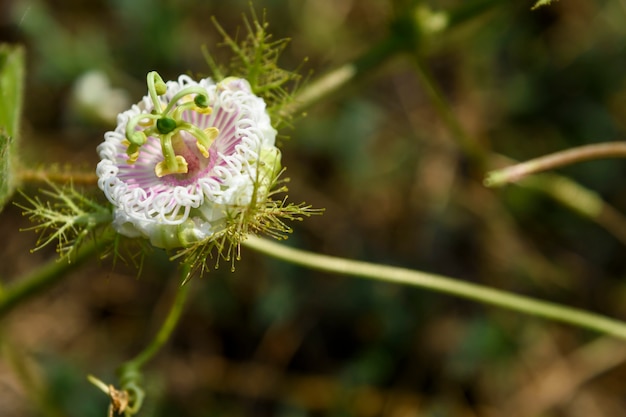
(11, 85)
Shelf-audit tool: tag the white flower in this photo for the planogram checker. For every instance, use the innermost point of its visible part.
(185, 157)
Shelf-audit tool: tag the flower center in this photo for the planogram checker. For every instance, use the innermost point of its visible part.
(167, 124)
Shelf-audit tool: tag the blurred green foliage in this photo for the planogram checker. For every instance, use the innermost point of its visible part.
(11, 91)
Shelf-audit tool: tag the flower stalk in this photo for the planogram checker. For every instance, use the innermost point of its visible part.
(129, 398)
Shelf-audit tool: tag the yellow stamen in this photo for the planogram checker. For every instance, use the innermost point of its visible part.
(204, 110)
(161, 169)
(131, 150)
(211, 133)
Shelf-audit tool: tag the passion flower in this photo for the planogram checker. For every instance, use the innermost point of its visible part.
(185, 158)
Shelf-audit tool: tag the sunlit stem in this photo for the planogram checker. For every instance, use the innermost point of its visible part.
(516, 172)
(54, 174)
(182, 93)
(130, 372)
(98, 383)
(441, 284)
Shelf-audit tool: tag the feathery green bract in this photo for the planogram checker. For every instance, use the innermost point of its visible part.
(65, 216)
(255, 58)
(268, 218)
(11, 85)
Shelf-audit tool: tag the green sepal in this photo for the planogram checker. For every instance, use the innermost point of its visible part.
(11, 91)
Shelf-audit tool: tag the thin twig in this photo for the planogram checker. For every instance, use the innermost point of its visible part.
(58, 176)
(571, 156)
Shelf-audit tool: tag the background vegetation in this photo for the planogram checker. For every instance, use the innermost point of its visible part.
(398, 187)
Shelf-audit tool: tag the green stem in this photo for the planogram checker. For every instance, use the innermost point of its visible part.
(130, 371)
(468, 145)
(46, 276)
(442, 284)
(570, 156)
(55, 174)
(338, 78)
(585, 202)
(403, 37)
(166, 329)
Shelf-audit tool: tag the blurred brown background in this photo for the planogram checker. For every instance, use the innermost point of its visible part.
(275, 339)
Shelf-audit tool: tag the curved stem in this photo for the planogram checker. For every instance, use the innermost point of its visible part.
(340, 77)
(395, 43)
(516, 172)
(585, 202)
(46, 276)
(166, 329)
(130, 371)
(441, 284)
(467, 144)
(55, 175)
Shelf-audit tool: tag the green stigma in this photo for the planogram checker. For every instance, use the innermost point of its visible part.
(166, 125)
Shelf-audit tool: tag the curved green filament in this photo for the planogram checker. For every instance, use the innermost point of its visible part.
(156, 87)
(182, 93)
(190, 105)
(138, 137)
(168, 150)
(173, 164)
(133, 153)
(204, 138)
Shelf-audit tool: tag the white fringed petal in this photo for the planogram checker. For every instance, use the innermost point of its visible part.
(172, 210)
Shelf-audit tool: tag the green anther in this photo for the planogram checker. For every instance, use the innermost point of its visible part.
(133, 153)
(155, 81)
(201, 101)
(137, 138)
(156, 87)
(166, 125)
(160, 87)
(181, 94)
